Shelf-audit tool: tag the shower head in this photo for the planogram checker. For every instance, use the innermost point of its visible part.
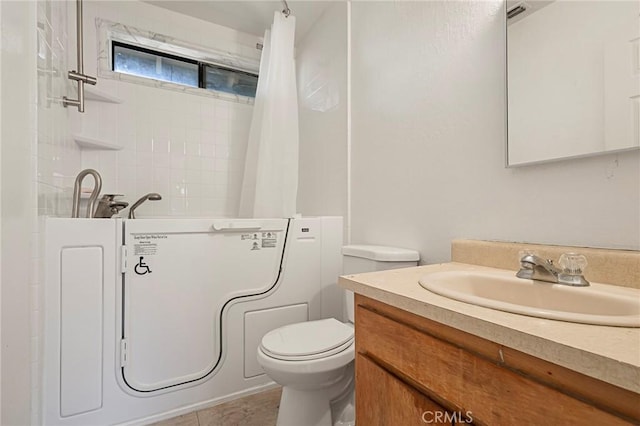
(153, 196)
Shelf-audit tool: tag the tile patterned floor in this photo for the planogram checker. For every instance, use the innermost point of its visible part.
(260, 409)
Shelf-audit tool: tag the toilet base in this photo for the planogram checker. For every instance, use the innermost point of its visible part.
(314, 407)
(303, 408)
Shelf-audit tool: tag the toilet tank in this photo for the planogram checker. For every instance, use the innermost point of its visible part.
(367, 258)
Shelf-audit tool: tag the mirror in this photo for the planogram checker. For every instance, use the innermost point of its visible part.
(573, 79)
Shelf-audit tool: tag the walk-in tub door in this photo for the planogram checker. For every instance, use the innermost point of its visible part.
(179, 275)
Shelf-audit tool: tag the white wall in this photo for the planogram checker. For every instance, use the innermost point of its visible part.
(321, 59)
(428, 142)
(188, 148)
(17, 142)
(1, 216)
(37, 160)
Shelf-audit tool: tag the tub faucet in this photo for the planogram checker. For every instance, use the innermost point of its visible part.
(153, 196)
(536, 268)
(108, 206)
(97, 186)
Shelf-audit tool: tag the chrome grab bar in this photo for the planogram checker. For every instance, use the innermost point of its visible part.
(75, 210)
(79, 75)
(226, 225)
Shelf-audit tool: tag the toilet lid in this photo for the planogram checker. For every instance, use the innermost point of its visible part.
(307, 340)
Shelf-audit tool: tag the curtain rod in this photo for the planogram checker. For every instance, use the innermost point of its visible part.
(286, 9)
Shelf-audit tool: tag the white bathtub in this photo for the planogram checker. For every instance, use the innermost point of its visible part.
(151, 318)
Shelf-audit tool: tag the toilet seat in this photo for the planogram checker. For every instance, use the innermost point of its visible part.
(307, 340)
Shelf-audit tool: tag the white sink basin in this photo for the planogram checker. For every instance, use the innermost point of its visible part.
(599, 304)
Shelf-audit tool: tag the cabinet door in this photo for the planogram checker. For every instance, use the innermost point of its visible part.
(384, 400)
(491, 393)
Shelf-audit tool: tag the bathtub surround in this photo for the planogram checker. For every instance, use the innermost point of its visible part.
(189, 148)
(58, 156)
(270, 183)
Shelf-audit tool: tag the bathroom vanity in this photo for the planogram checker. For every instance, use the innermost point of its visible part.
(422, 358)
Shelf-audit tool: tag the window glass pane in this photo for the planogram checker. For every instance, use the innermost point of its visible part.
(231, 81)
(143, 64)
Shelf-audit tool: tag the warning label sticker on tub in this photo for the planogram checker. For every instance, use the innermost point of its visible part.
(147, 244)
(269, 240)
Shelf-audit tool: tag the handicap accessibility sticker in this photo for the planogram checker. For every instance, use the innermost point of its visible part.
(141, 267)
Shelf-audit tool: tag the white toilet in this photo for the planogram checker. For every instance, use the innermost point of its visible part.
(314, 360)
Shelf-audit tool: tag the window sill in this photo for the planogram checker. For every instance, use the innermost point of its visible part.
(93, 94)
(128, 78)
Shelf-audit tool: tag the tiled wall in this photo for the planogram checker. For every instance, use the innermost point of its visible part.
(58, 157)
(189, 148)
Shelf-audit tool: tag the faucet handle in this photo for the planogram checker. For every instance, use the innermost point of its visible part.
(523, 253)
(526, 258)
(111, 197)
(573, 263)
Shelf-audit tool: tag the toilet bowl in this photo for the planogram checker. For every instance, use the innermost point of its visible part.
(314, 360)
(314, 363)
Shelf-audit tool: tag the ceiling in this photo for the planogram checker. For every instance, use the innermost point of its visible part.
(251, 17)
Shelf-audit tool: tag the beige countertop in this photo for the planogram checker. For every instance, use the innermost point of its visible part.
(611, 354)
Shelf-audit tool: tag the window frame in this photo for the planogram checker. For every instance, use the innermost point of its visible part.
(202, 66)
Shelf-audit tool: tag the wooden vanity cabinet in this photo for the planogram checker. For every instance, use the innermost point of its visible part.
(391, 401)
(414, 371)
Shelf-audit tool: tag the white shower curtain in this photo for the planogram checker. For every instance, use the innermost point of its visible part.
(270, 184)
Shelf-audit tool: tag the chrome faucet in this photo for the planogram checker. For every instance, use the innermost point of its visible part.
(108, 206)
(572, 266)
(152, 196)
(97, 186)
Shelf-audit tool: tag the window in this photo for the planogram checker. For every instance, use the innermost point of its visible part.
(230, 81)
(162, 66)
(156, 65)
